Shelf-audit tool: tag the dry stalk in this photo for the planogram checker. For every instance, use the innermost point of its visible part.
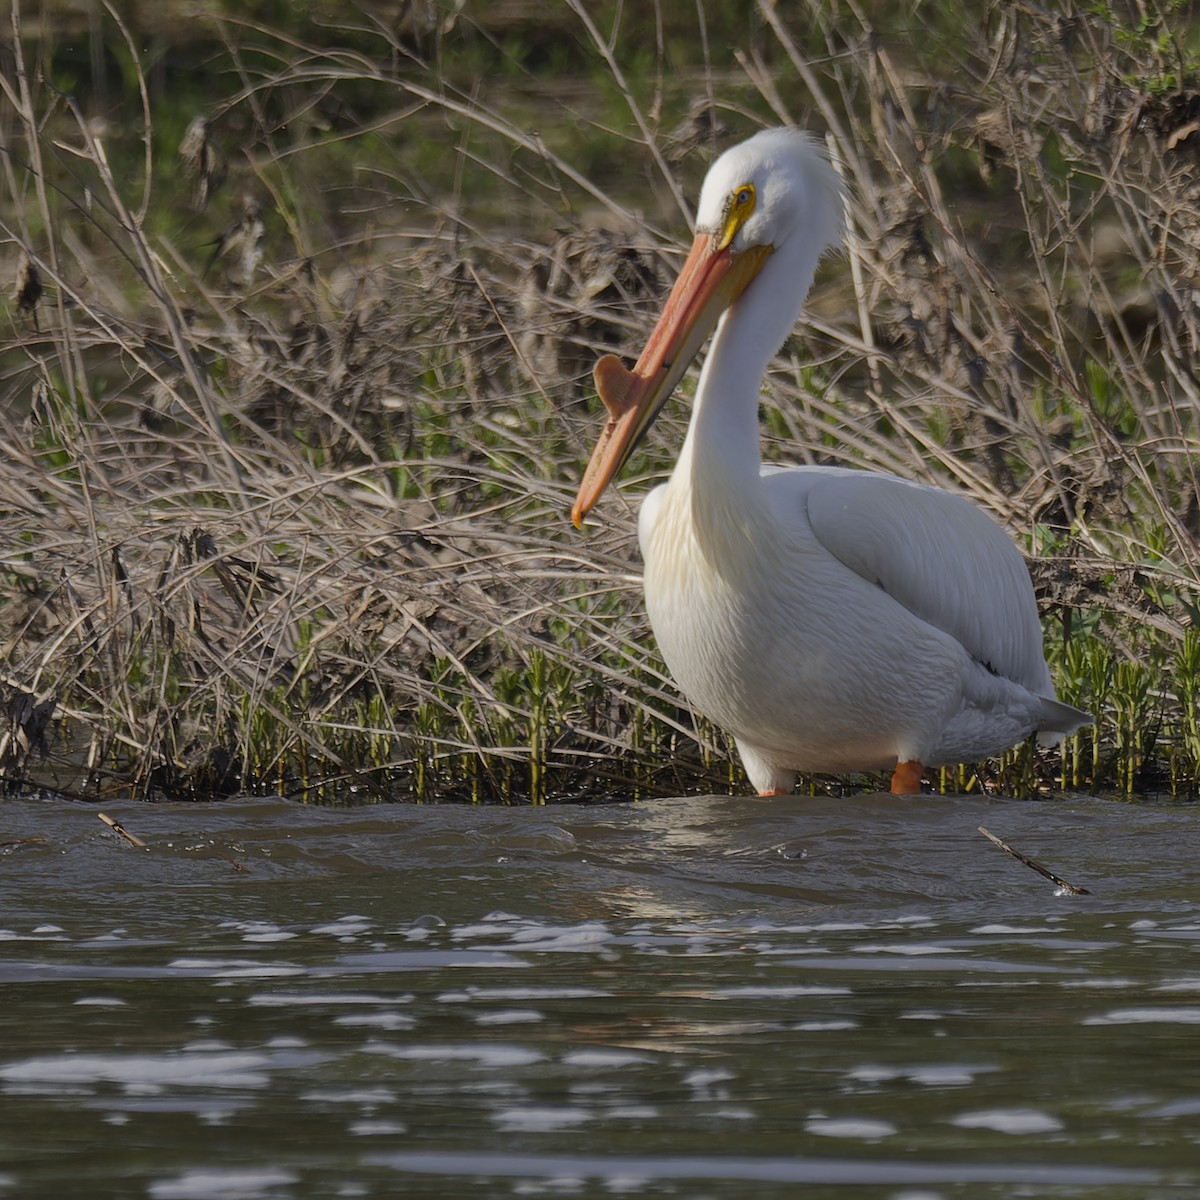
(300, 524)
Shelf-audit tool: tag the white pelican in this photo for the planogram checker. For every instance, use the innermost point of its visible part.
(830, 619)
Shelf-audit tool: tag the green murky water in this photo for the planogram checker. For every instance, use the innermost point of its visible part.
(696, 998)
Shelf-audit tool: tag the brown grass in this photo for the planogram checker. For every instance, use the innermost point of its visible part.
(287, 511)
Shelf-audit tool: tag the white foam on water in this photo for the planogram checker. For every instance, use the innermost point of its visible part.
(484, 1055)
(210, 1183)
(1022, 930)
(364, 1096)
(534, 992)
(540, 1120)
(509, 1016)
(143, 1072)
(322, 999)
(343, 926)
(1147, 1016)
(233, 968)
(862, 1128)
(603, 1058)
(379, 1020)
(377, 1128)
(1017, 1121)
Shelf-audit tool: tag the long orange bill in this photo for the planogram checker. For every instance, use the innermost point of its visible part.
(711, 280)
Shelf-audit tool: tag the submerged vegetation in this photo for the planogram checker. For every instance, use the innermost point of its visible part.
(295, 373)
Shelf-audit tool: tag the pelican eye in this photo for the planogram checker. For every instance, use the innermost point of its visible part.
(738, 208)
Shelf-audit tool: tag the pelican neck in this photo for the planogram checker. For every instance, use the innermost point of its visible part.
(722, 445)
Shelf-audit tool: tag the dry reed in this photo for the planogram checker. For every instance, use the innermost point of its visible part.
(286, 511)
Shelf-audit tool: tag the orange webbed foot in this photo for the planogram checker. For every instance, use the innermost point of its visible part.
(906, 778)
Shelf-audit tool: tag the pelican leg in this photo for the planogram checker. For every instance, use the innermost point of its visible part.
(776, 792)
(906, 778)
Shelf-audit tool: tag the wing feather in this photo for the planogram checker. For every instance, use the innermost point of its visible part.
(942, 558)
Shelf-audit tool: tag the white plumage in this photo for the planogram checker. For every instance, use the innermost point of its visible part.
(830, 619)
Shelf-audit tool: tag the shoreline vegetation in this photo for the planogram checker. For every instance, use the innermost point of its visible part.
(296, 374)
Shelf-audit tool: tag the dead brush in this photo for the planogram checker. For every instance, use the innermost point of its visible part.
(298, 524)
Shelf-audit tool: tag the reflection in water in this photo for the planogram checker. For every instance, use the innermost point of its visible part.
(701, 997)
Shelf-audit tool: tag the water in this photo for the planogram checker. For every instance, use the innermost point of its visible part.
(694, 998)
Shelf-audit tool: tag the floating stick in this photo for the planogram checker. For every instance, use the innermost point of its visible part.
(1035, 866)
(117, 827)
(233, 862)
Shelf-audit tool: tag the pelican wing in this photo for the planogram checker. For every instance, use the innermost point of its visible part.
(943, 559)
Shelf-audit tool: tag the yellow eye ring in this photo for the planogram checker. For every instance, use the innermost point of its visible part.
(738, 208)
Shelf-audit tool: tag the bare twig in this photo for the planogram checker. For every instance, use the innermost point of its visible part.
(117, 827)
(1070, 888)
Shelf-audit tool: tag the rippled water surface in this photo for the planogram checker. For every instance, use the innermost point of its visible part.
(696, 998)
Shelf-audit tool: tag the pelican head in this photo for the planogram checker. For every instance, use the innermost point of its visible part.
(761, 199)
